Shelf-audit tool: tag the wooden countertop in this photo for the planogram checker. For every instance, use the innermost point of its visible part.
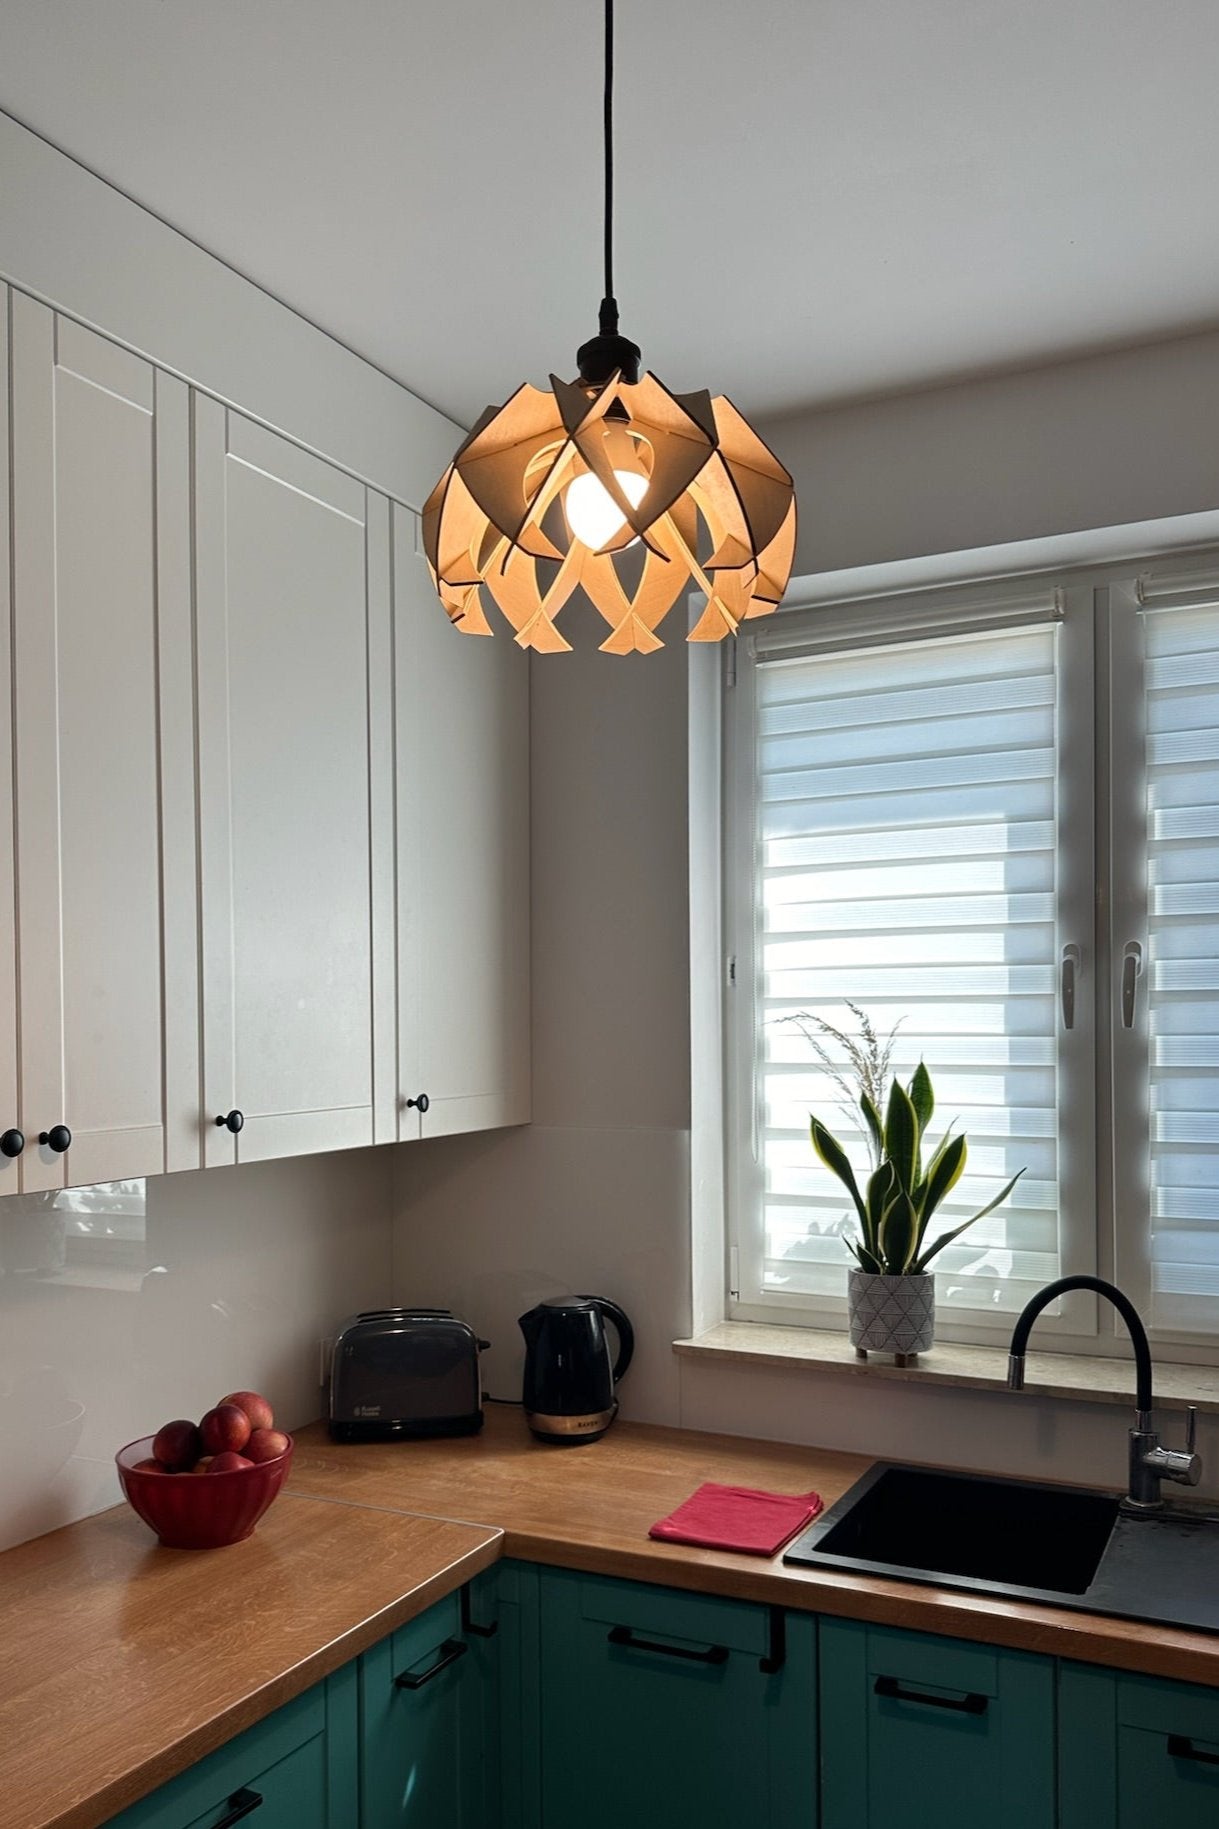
(122, 1663)
(590, 1508)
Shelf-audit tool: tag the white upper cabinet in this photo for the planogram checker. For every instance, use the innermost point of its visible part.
(103, 747)
(462, 721)
(294, 683)
(264, 815)
(10, 1098)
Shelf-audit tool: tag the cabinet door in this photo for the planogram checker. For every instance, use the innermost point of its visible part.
(296, 835)
(428, 1749)
(295, 1770)
(463, 846)
(100, 518)
(10, 1104)
(657, 1709)
(1136, 1751)
(924, 1732)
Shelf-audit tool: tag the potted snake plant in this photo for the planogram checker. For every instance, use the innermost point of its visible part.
(891, 1291)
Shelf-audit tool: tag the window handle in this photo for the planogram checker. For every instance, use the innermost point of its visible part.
(1072, 960)
(1132, 971)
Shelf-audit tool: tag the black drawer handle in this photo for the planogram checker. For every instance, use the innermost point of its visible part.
(241, 1803)
(58, 1138)
(468, 1625)
(12, 1143)
(776, 1654)
(714, 1654)
(450, 1651)
(1180, 1746)
(421, 1104)
(231, 1121)
(964, 1705)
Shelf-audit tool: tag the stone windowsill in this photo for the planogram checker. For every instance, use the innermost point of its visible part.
(1084, 1378)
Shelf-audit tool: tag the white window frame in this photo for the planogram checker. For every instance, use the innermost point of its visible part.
(1103, 1071)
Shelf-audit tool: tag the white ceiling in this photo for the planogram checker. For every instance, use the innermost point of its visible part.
(818, 199)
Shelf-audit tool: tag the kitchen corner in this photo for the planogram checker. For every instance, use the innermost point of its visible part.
(157, 1656)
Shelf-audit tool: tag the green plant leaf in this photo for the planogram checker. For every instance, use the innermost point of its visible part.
(922, 1097)
(882, 1186)
(948, 1237)
(943, 1173)
(836, 1159)
(901, 1137)
(898, 1235)
(867, 1261)
(872, 1120)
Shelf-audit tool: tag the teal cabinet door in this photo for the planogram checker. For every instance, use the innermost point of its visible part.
(1136, 1751)
(428, 1732)
(295, 1770)
(659, 1709)
(512, 1590)
(930, 1733)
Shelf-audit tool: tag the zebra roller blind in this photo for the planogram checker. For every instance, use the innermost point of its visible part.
(905, 852)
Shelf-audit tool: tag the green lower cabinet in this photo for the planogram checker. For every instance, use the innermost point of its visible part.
(1137, 1752)
(658, 1710)
(931, 1733)
(429, 1736)
(516, 1699)
(295, 1770)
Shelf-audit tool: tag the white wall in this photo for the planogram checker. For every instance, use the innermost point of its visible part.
(1118, 438)
(594, 1196)
(241, 1274)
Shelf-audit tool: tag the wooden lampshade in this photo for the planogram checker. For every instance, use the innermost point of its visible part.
(496, 522)
(550, 493)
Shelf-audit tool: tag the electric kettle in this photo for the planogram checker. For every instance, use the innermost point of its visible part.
(569, 1375)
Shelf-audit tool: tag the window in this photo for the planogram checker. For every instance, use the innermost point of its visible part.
(921, 823)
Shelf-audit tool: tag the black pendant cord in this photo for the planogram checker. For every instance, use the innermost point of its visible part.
(609, 156)
(608, 353)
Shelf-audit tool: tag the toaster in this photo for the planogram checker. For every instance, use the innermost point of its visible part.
(403, 1373)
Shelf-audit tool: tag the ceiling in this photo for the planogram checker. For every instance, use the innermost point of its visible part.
(817, 199)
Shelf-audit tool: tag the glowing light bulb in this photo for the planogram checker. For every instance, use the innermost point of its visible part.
(592, 513)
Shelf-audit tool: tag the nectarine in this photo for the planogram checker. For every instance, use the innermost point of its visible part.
(225, 1430)
(256, 1408)
(266, 1445)
(176, 1446)
(229, 1463)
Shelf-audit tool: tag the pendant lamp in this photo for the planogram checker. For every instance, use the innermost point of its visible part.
(612, 485)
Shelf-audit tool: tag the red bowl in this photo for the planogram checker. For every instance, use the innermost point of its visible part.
(199, 1511)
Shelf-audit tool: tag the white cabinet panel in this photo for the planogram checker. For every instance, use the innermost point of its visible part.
(87, 748)
(463, 862)
(10, 1104)
(295, 701)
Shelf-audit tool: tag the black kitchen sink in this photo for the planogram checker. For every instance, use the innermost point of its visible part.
(1021, 1540)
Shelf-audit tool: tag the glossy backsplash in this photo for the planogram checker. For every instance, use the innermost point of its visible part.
(124, 1305)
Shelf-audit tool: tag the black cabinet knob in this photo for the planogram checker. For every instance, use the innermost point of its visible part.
(57, 1138)
(232, 1120)
(12, 1143)
(420, 1104)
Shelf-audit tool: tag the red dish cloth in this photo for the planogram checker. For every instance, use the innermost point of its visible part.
(738, 1518)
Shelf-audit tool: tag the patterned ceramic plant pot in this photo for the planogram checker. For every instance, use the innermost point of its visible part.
(891, 1314)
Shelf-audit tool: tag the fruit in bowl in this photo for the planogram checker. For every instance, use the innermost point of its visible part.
(158, 1474)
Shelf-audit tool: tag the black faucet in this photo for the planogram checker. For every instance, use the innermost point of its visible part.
(1149, 1462)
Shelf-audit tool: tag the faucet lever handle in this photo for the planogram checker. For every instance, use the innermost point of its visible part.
(1191, 1427)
